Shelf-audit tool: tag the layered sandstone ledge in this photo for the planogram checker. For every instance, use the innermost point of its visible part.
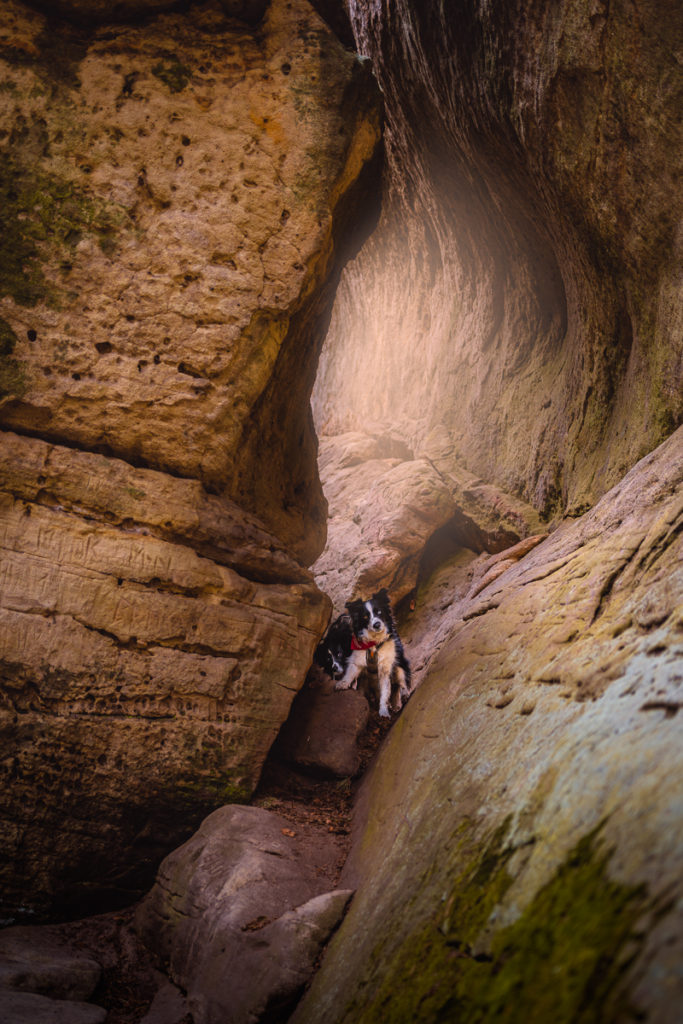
(153, 639)
(178, 196)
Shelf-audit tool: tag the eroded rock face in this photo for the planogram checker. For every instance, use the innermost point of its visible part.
(520, 830)
(177, 197)
(27, 1008)
(394, 515)
(35, 960)
(106, 11)
(522, 294)
(153, 638)
(240, 913)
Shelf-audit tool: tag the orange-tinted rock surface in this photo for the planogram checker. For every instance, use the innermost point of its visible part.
(177, 198)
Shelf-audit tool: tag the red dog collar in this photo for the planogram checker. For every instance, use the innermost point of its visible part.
(357, 646)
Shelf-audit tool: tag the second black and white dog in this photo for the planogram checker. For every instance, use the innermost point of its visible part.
(373, 626)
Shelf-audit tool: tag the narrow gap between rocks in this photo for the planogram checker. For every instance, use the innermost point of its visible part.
(314, 806)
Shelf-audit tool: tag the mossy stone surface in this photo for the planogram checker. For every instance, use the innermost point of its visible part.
(173, 73)
(561, 961)
(42, 219)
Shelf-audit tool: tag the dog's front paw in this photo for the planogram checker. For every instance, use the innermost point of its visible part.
(384, 712)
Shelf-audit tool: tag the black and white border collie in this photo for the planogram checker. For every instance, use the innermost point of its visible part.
(373, 626)
(340, 655)
(334, 650)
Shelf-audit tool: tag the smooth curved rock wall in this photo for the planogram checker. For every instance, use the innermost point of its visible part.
(519, 308)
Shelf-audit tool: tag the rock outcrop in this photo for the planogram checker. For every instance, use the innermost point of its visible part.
(324, 727)
(522, 293)
(35, 960)
(27, 1008)
(240, 913)
(177, 197)
(394, 516)
(43, 980)
(153, 638)
(169, 255)
(518, 835)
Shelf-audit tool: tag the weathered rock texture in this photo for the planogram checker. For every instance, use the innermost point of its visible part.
(108, 11)
(169, 251)
(515, 324)
(27, 1008)
(177, 197)
(45, 980)
(153, 638)
(240, 914)
(393, 516)
(35, 960)
(522, 294)
(323, 729)
(518, 853)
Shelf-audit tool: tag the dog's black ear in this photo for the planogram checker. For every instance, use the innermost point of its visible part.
(383, 594)
(319, 656)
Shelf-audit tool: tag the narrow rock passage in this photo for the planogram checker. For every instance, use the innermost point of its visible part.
(132, 987)
(315, 805)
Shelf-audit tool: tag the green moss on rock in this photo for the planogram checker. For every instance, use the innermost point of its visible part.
(172, 73)
(560, 961)
(12, 381)
(42, 220)
(8, 339)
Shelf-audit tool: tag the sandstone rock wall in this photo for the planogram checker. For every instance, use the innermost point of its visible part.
(522, 294)
(177, 197)
(518, 852)
(394, 515)
(153, 639)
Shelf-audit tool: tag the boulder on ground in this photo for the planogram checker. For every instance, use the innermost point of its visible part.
(240, 913)
(37, 960)
(322, 732)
